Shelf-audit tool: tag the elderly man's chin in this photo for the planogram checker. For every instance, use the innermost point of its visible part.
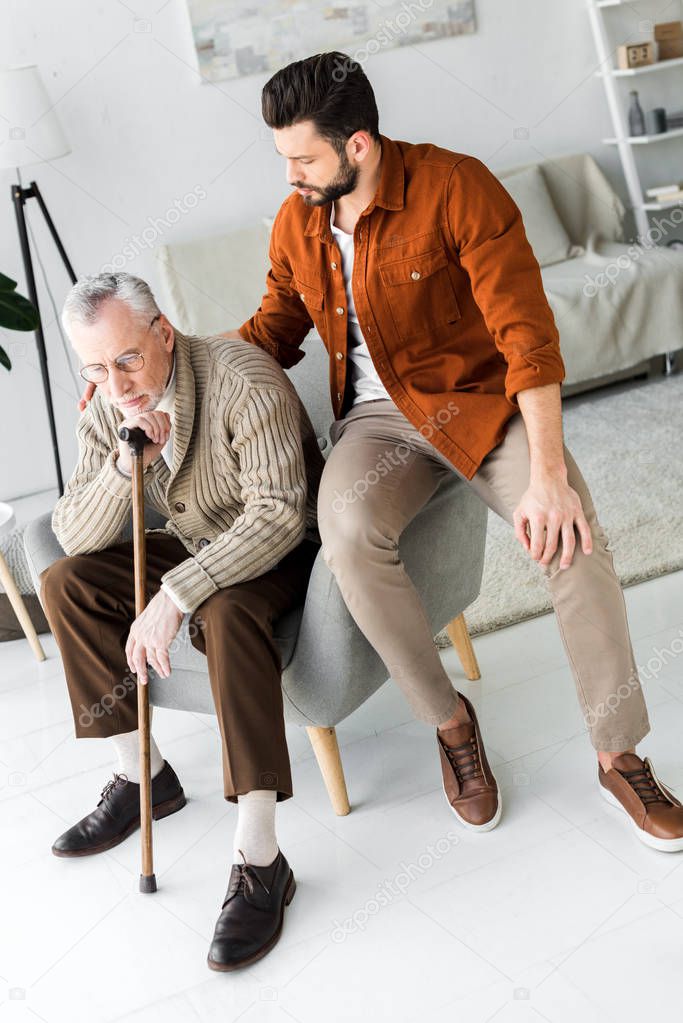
(146, 403)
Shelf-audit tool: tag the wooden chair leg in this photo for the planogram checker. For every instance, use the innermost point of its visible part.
(460, 638)
(326, 749)
(19, 608)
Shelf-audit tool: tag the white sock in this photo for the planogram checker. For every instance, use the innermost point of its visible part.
(255, 832)
(127, 746)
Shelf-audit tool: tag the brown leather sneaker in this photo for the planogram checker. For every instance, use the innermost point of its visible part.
(468, 783)
(632, 786)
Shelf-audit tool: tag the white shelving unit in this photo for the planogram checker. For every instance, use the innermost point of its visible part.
(617, 108)
(639, 140)
(619, 72)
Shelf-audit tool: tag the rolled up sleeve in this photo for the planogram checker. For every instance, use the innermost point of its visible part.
(488, 233)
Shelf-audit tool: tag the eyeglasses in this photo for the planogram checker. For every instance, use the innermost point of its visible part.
(131, 362)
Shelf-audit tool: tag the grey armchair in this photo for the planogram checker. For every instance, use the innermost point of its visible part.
(329, 668)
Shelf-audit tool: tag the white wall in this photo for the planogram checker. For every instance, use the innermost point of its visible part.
(144, 133)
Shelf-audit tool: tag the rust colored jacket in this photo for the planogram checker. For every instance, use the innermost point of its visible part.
(447, 290)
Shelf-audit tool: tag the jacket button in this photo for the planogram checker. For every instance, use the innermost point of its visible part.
(333, 265)
(415, 275)
(340, 356)
(179, 506)
(340, 310)
(203, 542)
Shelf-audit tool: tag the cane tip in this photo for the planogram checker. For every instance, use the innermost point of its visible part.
(148, 883)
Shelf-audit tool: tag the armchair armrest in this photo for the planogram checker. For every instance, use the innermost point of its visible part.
(42, 546)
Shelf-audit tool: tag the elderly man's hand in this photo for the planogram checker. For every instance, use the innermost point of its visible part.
(150, 636)
(157, 426)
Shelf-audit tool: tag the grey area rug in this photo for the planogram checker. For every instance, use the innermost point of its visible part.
(628, 443)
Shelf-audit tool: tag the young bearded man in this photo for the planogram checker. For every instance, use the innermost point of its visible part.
(234, 465)
(413, 264)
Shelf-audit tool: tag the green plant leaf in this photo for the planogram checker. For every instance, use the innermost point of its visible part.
(6, 283)
(16, 312)
(4, 359)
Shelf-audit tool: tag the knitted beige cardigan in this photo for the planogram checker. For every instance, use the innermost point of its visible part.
(241, 491)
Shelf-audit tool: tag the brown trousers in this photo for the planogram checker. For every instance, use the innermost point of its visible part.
(89, 601)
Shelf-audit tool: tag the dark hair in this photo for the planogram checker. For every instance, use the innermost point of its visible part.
(330, 89)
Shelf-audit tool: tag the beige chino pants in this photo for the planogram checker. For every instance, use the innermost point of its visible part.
(360, 530)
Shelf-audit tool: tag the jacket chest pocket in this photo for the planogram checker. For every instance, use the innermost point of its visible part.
(310, 295)
(420, 292)
(312, 298)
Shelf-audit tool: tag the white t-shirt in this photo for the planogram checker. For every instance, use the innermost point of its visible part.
(167, 404)
(366, 382)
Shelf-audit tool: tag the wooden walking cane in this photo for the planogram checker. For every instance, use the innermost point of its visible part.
(137, 439)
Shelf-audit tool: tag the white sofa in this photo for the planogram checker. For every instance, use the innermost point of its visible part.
(618, 309)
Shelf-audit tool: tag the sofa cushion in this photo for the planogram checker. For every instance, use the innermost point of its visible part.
(214, 284)
(617, 305)
(544, 229)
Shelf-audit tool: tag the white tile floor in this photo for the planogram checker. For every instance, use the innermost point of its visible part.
(558, 914)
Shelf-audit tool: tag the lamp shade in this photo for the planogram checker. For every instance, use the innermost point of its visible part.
(31, 132)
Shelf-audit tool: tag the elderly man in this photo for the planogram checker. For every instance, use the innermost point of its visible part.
(234, 465)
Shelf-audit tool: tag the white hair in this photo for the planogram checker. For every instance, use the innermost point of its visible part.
(84, 301)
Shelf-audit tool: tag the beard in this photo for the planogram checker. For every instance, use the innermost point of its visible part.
(344, 182)
(152, 399)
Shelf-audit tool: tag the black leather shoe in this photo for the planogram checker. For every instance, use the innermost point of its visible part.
(117, 814)
(251, 917)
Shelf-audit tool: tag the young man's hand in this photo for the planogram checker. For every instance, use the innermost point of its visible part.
(86, 396)
(150, 636)
(551, 509)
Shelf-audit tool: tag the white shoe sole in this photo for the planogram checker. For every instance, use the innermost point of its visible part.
(489, 825)
(661, 844)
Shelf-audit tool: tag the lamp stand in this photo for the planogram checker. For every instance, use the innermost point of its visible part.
(20, 195)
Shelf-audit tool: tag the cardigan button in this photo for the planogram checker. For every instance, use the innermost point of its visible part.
(333, 265)
(203, 542)
(340, 310)
(340, 356)
(179, 506)
(302, 296)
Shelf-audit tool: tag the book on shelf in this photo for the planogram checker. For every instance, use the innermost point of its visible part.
(670, 197)
(665, 191)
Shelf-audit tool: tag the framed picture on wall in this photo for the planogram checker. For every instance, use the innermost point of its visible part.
(234, 38)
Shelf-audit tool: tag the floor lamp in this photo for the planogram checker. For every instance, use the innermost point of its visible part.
(35, 136)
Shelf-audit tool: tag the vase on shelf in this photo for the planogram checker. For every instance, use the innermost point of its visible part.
(636, 117)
